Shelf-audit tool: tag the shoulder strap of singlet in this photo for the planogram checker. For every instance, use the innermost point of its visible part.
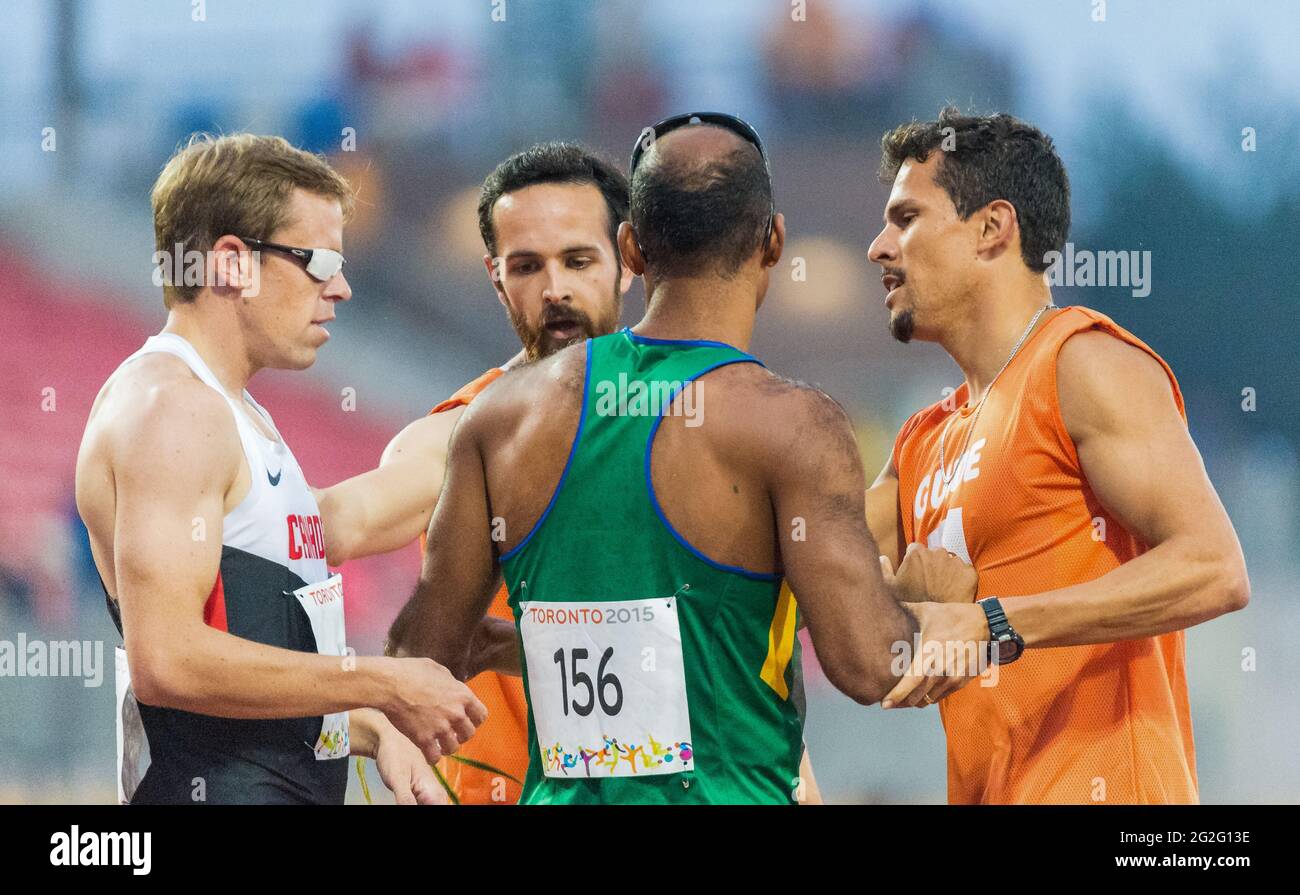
(1075, 319)
(179, 346)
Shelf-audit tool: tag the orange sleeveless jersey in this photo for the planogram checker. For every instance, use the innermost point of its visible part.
(1102, 723)
(502, 740)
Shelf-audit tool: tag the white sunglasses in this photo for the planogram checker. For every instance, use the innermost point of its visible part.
(320, 264)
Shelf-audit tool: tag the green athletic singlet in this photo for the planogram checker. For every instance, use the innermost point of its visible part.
(654, 674)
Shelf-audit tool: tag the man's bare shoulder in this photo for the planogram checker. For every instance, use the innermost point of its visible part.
(1097, 354)
(756, 401)
(1102, 381)
(155, 409)
(551, 382)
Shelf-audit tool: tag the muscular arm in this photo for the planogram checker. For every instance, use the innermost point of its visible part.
(387, 508)
(883, 518)
(815, 473)
(943, 582)
(1144, 469)
(174, 458)
(459, 575)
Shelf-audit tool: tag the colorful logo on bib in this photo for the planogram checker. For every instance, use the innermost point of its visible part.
(334, 740)
(615, 757)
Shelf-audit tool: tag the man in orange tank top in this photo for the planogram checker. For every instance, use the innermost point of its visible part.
(1062, 468)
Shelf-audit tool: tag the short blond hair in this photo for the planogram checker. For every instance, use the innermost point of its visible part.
(238, 184)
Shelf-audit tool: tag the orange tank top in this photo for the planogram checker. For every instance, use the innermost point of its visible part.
(502, 740)
(1105, 723)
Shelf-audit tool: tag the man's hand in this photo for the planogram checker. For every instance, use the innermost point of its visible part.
(954, 640)
(494, 647)
(931, 575)
(432, 708)
(405, 771)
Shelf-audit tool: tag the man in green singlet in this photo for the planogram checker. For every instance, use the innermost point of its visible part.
(645, 519)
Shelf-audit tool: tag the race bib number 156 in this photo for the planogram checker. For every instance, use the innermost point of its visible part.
(607, 687)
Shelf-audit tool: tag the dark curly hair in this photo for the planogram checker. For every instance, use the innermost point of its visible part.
(988, 157)
(553, 162)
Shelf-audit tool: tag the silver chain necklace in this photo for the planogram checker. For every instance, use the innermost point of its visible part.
(979, 408)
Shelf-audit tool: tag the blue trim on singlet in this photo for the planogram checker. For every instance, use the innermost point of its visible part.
(573, 449)
(707, 343)
(649, 482)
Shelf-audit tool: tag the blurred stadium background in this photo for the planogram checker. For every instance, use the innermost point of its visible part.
(1147, 107)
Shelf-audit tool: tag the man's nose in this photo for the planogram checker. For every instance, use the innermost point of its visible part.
(338, 288)
(882, 248)
(559, 286)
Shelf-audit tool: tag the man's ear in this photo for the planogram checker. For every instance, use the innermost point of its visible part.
(496, 270)
(1000, 229)
(775, 242)
(625, 278)
(630, 251)
(230, 266)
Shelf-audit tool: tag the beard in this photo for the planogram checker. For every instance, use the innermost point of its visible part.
(538, 341)
(901, 326)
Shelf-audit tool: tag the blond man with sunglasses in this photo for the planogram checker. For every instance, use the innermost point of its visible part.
(210, 543)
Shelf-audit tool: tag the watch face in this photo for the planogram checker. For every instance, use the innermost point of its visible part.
(1008, 649)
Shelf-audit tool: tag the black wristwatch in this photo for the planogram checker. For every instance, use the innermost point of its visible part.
(1005, 645)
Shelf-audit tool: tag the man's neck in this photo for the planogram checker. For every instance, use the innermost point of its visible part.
(704, 308)
(222, 350)
(985, 340)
